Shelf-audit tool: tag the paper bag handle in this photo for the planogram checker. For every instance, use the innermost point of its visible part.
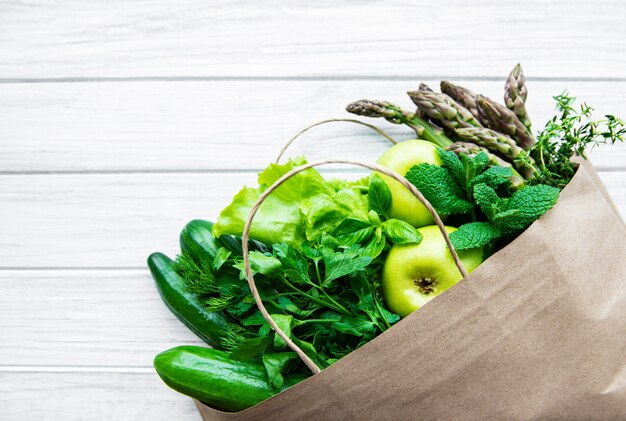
(246, 233)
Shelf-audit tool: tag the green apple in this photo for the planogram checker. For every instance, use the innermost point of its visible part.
(400, 158)
(414, 274)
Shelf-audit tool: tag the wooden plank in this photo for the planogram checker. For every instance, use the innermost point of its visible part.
(153, 126)
(91, 396)
(241, 39)
(97, 318)
(117, 220)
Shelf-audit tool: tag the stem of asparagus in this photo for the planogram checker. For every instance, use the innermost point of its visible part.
(395, 114)
(515, 93)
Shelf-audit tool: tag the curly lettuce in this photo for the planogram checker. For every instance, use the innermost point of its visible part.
(301, 209)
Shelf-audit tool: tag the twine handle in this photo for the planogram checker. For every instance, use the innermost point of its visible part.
(334, 120)
(246, 233)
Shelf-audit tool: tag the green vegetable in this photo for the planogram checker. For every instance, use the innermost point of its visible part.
(497, 117)
(462, 95)
(443, 109)
(187, 306)
(301, 209)
(196, 239)
(395, 114)
(515, 94)
(212, 377)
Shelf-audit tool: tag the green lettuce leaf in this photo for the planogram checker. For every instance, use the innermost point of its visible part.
(302, 208)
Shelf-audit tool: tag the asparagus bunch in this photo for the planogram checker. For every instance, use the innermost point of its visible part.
(474, 122)
(515, 94)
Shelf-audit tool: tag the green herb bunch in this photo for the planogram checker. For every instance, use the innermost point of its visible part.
(481, 198)
(568, 135)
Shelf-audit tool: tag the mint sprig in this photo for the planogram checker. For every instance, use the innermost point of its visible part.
(481, 195)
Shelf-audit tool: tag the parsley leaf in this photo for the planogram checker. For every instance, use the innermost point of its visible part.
(338, 264)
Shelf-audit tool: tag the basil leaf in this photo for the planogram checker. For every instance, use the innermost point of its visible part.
(379, 196)
(401, 232)
(353, 231)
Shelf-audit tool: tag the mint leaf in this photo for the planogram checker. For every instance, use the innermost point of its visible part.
(401, 232)
(473, 235)
(353, 231)
(339, 264)
(488, 201)
(493, 177)
(439, 188)
(530, 203)
(379, 196)
(451, 162)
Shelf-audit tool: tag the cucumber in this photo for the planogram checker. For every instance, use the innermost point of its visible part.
(232, 243)
(186, 306)
(212, 377)
(197, 240)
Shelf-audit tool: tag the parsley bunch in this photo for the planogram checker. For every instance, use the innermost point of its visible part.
(326, 296)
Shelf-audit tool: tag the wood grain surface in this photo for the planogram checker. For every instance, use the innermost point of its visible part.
(120, 121)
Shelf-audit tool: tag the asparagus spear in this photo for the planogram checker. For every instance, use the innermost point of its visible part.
(515, 93)
(395, 114)
(462, 95)
(425, 88)
(418, 112)
(471, 150)
(498, 117)
(501, 144)
(442, 108)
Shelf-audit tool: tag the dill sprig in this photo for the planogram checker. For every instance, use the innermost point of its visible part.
(571, 134)
(199, 276)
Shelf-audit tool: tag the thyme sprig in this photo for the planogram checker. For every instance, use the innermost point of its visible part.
(571, 133)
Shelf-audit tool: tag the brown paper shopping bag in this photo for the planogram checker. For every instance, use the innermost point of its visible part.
(537, 332)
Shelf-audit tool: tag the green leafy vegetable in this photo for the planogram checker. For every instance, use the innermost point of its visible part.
(300, 209)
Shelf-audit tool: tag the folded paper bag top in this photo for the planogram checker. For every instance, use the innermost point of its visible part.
(537, 332)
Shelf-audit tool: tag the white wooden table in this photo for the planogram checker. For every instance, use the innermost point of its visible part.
(122, 120)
